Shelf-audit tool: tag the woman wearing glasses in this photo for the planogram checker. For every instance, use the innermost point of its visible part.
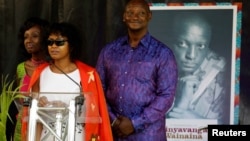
(65, 73)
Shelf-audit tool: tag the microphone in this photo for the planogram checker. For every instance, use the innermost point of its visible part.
(79, 99)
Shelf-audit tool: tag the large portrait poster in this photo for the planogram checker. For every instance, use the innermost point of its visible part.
(206, 44)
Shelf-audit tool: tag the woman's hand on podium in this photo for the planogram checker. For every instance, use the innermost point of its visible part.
(57, 103)
(43, 101)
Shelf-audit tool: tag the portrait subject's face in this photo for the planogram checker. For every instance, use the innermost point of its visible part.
(190, 47)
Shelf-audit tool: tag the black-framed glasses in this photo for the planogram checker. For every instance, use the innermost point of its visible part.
(57, 42)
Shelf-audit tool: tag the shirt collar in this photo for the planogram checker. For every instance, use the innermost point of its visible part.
(144, 41)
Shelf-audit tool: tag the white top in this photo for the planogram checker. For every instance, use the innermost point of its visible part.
(55, 82)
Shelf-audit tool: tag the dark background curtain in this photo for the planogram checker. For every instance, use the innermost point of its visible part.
(100, 21)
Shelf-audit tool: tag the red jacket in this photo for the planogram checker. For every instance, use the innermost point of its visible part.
(94, 99)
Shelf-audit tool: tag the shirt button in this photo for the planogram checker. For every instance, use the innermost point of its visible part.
(126, 72)
(122, 85)
(120, 97)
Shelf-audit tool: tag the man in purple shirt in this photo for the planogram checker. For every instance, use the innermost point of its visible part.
(139, 76)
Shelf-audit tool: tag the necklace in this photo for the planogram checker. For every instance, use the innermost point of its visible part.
(36, 62)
